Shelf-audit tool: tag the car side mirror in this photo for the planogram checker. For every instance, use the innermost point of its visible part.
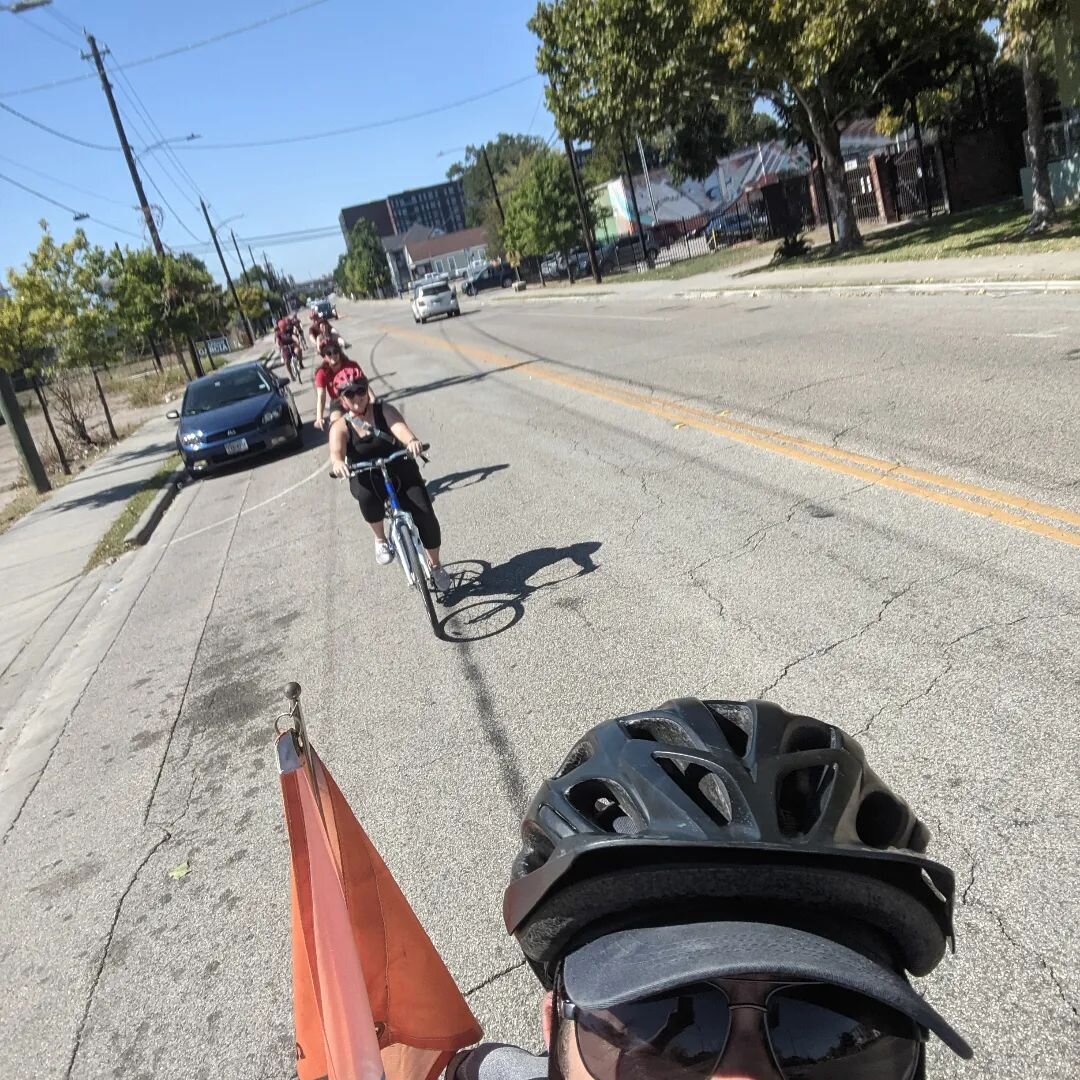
(172, 414)
(283, 382)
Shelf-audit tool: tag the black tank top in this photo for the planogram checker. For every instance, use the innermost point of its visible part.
(379, 443)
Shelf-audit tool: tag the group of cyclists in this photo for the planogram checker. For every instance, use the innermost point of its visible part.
(360, 429)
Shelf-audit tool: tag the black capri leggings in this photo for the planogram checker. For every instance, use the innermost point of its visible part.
(412, 493)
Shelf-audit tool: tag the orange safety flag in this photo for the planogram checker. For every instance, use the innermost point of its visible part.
(371, 996)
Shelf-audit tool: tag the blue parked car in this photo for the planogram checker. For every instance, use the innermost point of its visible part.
(233, 414)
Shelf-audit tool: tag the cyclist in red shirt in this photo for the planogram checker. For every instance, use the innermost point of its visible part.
(326, 374)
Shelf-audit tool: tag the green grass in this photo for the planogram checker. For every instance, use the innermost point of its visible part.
(112, 543)
(715, 260)
(19, 507)
(993, 230)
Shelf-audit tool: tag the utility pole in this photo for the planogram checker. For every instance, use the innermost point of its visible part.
(225, 271)
(648, 178)
(239, 257)
(578, 191)
(494, 189)
(24, 441)
(148, 214)
(633, 199)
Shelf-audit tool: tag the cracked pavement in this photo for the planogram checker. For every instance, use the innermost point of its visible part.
(608, 558)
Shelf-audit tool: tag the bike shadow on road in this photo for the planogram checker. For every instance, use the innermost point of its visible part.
(451, 380)
(492, 598)
(454, 481)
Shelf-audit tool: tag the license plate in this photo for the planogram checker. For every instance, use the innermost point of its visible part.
(238, 447)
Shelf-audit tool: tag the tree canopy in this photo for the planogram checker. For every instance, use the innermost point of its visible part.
(504, 153)
(541, 209)
(363, 268)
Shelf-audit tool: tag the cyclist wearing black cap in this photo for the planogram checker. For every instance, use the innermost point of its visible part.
(724, 889)
(370, 430)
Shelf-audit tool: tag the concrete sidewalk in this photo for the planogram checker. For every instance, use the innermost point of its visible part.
(42, 557)
(1058, 270)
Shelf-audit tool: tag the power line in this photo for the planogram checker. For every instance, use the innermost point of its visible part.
(48, 33)
(63, 206)
(173, 52)
(64, 183)
(68, 24)
(53, 131)
(364, 127)
(129, 91)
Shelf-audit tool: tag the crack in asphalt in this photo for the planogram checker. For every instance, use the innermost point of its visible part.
(194, 660)
(825, 650)
(484, 983)
(80, 1030)
(1010, 623)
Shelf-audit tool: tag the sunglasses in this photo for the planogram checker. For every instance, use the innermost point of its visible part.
(812, 1031)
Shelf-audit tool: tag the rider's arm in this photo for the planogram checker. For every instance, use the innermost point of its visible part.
(320, 405)
(401, 431)
(339, 440)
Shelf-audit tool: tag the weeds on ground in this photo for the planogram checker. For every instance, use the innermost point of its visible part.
(112, 544)
(155, 389)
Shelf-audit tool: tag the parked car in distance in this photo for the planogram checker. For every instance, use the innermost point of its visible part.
(325, 309)
(491, 277)
(434, 298)
(630, 247)
(234, 413)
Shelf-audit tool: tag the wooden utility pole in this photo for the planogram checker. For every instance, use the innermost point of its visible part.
(586, 231)
(228, 276)
(129, 157)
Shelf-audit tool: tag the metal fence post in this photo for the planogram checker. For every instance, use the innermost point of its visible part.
(686, 237)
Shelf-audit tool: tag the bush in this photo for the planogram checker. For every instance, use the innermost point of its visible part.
(150, 390)
(791, 247)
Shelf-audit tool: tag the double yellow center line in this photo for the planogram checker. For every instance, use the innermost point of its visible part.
(1014, 510)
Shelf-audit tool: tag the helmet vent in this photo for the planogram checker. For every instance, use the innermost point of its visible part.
(596, 802)
(735, 722)
(801, 798)
(658, 729)
(881, 820)
(575, 759)
(803, 738)
(703, 786)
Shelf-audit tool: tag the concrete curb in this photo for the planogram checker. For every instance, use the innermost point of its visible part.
(152, 515)
(977, 288)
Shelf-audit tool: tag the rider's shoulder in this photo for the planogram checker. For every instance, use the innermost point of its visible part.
(497, 1061)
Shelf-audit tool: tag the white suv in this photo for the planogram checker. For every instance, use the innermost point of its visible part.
(436, 298)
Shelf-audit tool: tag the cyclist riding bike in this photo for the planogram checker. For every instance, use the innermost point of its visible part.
(289, 348)
(297, 333)
(335, 367)
(370, 430)
(724, 889)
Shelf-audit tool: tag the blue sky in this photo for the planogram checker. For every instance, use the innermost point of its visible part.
(337, 64)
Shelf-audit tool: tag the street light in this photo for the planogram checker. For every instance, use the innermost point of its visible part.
(24, 5)
(167, 142)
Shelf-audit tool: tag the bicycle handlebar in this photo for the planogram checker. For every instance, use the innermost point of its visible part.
(367, 466)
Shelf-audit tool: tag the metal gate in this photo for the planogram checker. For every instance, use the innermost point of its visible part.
(860, 186)
(915, 182)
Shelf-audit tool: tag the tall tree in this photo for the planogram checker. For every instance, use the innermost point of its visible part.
(541, 210)
(363, 268)
(1027, 25)
(504, 152)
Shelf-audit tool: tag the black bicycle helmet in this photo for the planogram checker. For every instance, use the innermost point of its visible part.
(712, 810)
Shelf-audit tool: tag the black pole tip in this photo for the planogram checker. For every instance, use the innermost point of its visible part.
(292, 691)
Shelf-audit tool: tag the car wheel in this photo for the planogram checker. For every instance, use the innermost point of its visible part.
(506, 282)
(423, 320)
(415, 319)
(298, 439)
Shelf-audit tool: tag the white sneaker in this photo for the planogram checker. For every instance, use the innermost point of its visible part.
(384, 553)
(442, 579)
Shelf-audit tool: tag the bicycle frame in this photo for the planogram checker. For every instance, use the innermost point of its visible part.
(401, 521)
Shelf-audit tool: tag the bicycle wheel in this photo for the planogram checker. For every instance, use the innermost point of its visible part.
(406, 542)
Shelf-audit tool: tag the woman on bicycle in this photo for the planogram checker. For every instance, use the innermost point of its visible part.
(334, 363)
(370, 430)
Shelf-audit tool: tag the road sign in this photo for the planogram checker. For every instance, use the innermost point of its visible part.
(213, 346)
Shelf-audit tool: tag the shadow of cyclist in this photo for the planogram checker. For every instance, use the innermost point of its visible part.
(466, 478)
(494, 596)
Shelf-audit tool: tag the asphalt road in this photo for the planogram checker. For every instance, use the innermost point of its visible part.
(640, 500)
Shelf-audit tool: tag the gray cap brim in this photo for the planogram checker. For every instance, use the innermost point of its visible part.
(633, 964)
